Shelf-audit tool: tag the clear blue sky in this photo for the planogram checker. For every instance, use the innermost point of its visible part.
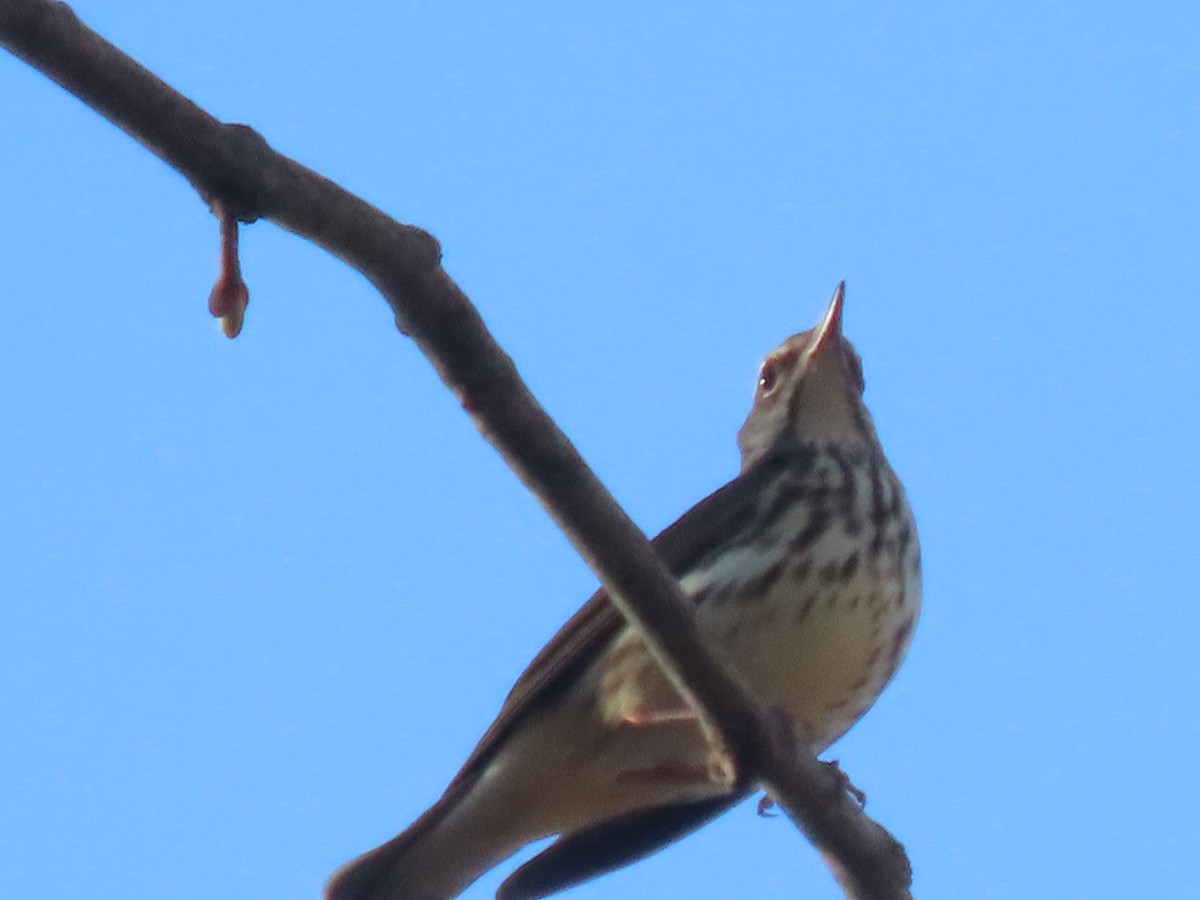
(260, 598)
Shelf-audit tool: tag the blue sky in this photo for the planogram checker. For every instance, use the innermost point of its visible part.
(261, 597)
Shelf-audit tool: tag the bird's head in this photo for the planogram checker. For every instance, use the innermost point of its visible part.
(809, 391)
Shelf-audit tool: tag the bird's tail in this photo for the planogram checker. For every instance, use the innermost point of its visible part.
(454, 842)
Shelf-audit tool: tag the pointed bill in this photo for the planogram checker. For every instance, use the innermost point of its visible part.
(830, 324)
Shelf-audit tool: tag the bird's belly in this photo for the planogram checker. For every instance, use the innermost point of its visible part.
(821, 649)
(816, 634)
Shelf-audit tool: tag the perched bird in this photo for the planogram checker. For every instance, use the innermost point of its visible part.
(806, 576)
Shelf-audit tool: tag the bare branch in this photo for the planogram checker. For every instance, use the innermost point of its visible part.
(231, 165)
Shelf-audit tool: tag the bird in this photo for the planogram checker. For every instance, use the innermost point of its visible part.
(805, 573)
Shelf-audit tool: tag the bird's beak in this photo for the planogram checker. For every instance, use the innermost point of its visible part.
(829, 329)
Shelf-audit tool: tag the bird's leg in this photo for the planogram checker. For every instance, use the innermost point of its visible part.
(635, 714)
(845, 783)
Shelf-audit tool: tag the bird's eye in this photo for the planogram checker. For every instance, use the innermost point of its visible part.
(768, 378)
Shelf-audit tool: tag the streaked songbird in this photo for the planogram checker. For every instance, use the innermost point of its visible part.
(806, 575)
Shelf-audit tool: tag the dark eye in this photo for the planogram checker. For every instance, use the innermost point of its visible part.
(768, 378)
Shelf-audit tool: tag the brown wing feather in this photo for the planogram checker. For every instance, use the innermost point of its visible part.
(680, 545)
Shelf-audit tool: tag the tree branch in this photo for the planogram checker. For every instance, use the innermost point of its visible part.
(232, 167)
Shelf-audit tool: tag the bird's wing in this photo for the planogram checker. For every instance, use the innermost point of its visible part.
(694, 535)
(581, 855)
(573, 858)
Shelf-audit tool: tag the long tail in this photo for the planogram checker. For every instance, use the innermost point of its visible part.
(454, 842)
